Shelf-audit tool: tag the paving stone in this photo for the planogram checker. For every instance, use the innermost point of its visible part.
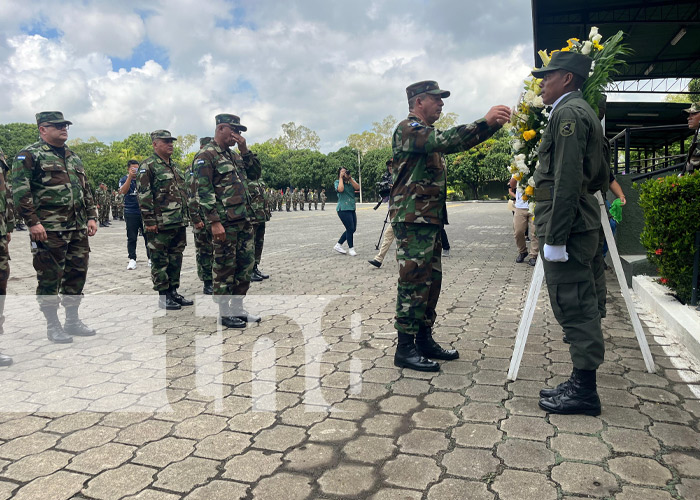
(200, 427)
(486, 393)
(666, 413)
(283, 486)
(87, 438)
(103, 457)
(185, 475)
(252, 465)
(477, 435)
(584, 479)
(686, 463)
(577, 424)
(58, 486)
(370, 449)
(689, 489)
(471, 463)
(222, 445)
(6, 489)
(311, 456)
(521, 485)
(27, 445)
(520, 405)
(153, 495)
(655, 394)
(409, 471)
(637, 493)
(332, 429)
(164, 452)
(399, 404)
(432, 418)
(396, 494)
(347, 480)
(677, 436)
(219, 490)
(638, 470)
(458, 488)
(21, 427)
(630, 441)
(444, 399)
(382, 424)
(578, 447)
(34, 466)
(144, 432)
(116, 483)
(527, 428)
(251, 422)
(279, 438)
(624, 417)
(423, 442)
(525, 454)
(483, 412)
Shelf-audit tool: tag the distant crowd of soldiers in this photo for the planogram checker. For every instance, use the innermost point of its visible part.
(108, 202)
(293, 198)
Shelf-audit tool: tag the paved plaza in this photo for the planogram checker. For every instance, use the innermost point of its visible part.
(308, 404)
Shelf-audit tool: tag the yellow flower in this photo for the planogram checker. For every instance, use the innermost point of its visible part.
(518, 176)
(528, 135)
(598, 46)
(545, 58)
(529, 191)
(524, 197)
(566, 49)
(569, 43)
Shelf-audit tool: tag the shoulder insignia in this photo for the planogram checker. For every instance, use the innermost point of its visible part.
(414, 124)
(200, 162)
(21, 157)
(142, 171)
(567, 127)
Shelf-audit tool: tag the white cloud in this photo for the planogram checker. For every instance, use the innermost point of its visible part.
(334, 67)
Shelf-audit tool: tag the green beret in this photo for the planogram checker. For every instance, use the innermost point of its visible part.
(232, 120)
(694, 108)
(426, 87)
(574, 62)
(51, 117)
(162, 134)
(204, 141)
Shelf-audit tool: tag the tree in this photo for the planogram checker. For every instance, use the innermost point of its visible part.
(693, 86)
(373, 168)
(15, 136)
(273, 172)
(376, 138)
(298, 137)
(487, 161)
(448, 120)
(102, 163)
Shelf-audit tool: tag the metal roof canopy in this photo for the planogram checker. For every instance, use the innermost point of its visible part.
(633, 115)
(664, 34)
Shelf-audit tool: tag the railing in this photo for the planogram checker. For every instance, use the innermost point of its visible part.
(653, 165)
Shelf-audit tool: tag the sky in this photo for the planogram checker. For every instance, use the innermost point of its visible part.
(334, 66)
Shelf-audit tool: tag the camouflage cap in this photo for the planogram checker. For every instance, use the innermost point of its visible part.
(51, 117)
(232, 120)
(694, 108)
(203, 141)
(163, 135)
(576, 63)
(426, 87)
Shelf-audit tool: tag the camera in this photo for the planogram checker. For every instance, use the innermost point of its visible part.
(384, 188)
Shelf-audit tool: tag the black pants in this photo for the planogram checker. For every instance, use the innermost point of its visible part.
(443, 239)
(349, 220)
(133, 224)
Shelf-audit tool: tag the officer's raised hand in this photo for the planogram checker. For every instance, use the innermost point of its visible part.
(240, 140)
(498, 115)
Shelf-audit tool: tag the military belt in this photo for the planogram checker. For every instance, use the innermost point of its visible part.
(544, 194)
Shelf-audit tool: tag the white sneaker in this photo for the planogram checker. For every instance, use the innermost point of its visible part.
(149, 262)
(445, 253)
(338, 248)
(132, 265)
(352, 252)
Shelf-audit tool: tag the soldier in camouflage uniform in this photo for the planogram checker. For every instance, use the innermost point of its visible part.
(202, 234)
(280, 199)
(302, 199)
(51, 194)
(7, 222)
(315, 199)
(288, 198)
(101, 204)
(692, 163)
(323, 199)
(163, 202)
(261, 210)
(309, 197)
(224, 196)
(418, 211)
(118, 203)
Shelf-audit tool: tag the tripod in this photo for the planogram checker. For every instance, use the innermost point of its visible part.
(386, 221)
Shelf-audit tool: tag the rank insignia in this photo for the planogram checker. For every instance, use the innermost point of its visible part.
(567, 128)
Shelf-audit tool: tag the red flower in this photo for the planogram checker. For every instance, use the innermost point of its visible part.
(659, 251)
(663, 280)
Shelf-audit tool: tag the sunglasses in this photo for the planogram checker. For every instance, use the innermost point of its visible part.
(57, 126)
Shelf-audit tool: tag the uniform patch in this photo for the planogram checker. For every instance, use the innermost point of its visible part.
(21, 157)
(567, 128)
(414, 124)
(142, 171)
(200, 162)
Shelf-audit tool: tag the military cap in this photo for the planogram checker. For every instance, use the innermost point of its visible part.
(574, 62)
(694, 108)
(426, 87)
(204, 141)
(390, 161)
(162, 134)
(51, 117)
(232, 120)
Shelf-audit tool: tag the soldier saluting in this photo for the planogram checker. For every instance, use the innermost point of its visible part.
(51, 194)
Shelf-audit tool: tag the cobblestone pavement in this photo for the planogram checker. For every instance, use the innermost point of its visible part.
(308, 404)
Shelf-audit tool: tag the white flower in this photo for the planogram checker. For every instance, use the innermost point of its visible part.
(597, 38)
(593, 33)
(524, 169)
(538, 102)
(586, 49)
(529, 96)
(531, 182)
(517, 145)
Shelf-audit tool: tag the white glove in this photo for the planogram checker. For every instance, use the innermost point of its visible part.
(555, 253)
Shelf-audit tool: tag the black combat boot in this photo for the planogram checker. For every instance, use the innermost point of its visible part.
(176, 297)
(54, 330)
(579, 398)
(225, 318)
(74, 326)
(548, 393)
(408, 357)
(431, 349)
(257, 271)
(20, 227)
(254, 276)
(239, 312)
(165, 301)
(5, 360)
(208, 288)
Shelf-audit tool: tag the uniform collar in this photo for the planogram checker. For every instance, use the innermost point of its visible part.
(576, 93)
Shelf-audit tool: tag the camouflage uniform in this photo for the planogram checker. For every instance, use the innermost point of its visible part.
(202, 237)
(288, 199)
(224, 196)
(280, 199)
(315, 199)
(261, 211)
(302, 199)
(418, 212)
(692, 163)
(50, 188)
(119, 205)
(323, 199)
(163, 203)
(7, 223)
(310, 197)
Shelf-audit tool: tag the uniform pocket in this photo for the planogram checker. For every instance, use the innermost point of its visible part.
(54, 174)
(545, 155)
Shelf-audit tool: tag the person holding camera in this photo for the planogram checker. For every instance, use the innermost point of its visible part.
(384, 188)
(132, 212)
(346, 186)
